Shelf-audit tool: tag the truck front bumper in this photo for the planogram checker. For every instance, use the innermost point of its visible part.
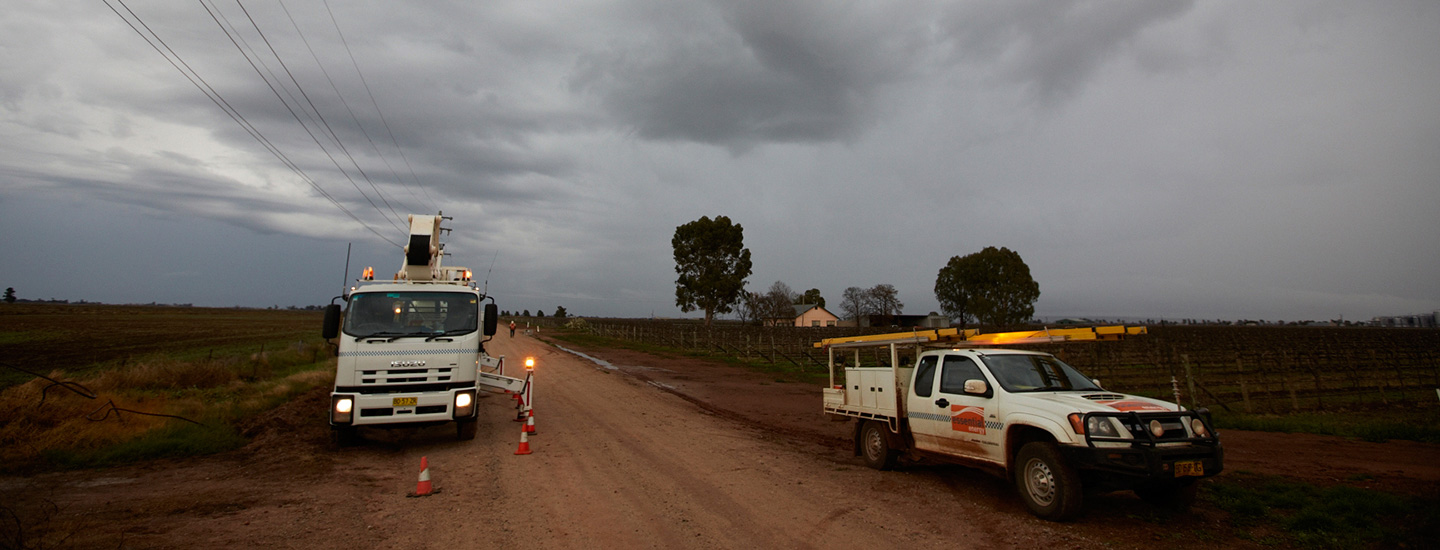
(401, 407)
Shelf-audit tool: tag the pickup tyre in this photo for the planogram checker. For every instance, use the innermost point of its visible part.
(875, 446)
(1048, 485)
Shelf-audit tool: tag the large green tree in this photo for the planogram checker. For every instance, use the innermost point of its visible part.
(812, 297)
(992, 286)
(712, 261)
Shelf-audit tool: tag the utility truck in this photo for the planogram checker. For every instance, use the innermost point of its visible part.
(954, 396)
(411, 351)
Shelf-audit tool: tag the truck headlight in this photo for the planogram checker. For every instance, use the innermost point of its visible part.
(465, 404)
(342, 409)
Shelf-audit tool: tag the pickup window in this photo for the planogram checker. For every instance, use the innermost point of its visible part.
(1027, 373)
(955, 371)
(925, 376)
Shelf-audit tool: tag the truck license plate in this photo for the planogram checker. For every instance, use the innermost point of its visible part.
(410, 402)
(1189, 468)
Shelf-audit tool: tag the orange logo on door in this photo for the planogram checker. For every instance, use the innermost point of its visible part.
(967, 419)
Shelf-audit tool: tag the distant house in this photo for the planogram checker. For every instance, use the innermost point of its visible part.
(806, 315)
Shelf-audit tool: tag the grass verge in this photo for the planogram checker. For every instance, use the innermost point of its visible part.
(157, 408)
(1275, 511)
(1411, 424)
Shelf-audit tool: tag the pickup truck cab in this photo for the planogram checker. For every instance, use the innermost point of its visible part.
(1027, 416)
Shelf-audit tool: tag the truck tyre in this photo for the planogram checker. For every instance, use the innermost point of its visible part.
(344, 436)
(465, 429)
(1047, 484)
(875, 446)
(1173, 495)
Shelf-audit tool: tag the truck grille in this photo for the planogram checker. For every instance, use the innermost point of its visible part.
(406, 376)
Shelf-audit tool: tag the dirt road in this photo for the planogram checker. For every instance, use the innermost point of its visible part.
(621, 459)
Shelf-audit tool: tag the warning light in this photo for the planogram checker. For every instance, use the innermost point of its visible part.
(368, 274)
(467, 275)
(529, 363)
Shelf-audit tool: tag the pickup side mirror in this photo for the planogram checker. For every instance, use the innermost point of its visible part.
(492, 319)
(977, 387)
(332, 322)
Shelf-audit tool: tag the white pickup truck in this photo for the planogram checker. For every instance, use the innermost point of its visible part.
(950, 396)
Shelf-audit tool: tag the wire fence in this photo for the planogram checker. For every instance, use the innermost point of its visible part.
(1239, 369)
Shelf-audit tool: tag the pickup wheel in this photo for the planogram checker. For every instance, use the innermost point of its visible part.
(1047, 484)
(1172, 495)
(875, 446)
(465, 429)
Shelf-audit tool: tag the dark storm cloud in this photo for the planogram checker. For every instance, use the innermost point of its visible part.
(756, 72)
(1050, 49)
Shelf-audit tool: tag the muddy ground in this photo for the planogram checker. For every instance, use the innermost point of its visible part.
(633, 451)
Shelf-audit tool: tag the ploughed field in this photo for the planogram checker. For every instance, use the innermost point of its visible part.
(77, 338)
(654, 449)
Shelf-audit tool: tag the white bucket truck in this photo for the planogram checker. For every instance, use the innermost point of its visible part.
(953, 396)
(412, 349)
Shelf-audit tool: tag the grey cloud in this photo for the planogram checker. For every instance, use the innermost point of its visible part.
(763, 71)
(1051, 49)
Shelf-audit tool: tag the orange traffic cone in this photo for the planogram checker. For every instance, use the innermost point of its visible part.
(524, 444)
(530, 423)
(422, 487)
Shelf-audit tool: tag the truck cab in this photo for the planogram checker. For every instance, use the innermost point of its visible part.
(1024, 415)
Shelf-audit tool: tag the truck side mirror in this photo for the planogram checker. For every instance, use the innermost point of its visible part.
(492, 319)
(976, 387)
(1096, 381)
(332, 322)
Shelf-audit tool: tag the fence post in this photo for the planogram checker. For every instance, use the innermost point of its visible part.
(1189, 379)
(1244, 393)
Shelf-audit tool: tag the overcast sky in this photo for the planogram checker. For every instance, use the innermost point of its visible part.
(1216, 160)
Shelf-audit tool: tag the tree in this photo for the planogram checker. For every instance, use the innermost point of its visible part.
(778, 303)
(561, 313)
(992, 286)
(884, 300)
(526, 313)
(852, 303)
(10, 295)
(712, 261)
(812, 297)
(539, 312)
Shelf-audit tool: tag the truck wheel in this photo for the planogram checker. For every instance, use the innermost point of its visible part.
(1172, 495)
(875, 446)
(1047, 484)
(465, 429)
(344, 436)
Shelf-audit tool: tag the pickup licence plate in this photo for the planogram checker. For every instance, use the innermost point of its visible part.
(410, 402)
(1189, 468)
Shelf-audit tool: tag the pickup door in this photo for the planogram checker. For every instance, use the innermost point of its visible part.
(945, 419)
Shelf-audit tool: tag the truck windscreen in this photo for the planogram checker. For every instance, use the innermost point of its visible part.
(399, 314)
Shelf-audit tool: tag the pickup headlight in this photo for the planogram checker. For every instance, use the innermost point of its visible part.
(1100, 426)
(1097, 426)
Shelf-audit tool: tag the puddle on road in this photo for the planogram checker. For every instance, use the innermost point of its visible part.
(607, 364)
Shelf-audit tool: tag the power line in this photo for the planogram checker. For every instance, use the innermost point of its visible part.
(433, 205)
(317, 113)
(219, 100)
(341, 96)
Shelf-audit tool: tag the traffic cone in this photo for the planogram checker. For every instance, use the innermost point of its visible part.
(422, 487)
(524, 444)
(530, 423)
